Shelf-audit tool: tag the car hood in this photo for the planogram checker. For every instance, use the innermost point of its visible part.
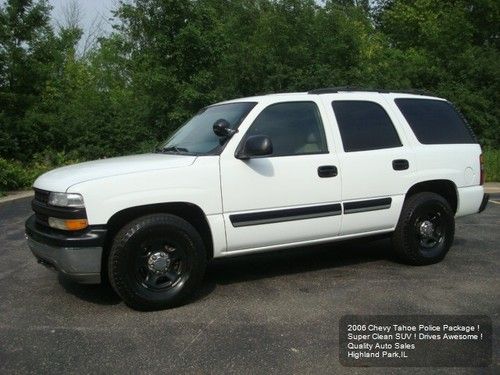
(61, 179)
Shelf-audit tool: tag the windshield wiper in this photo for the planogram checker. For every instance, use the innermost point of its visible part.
(173, 149)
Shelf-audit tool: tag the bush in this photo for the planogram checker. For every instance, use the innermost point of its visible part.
(15, 175)
(492, 164)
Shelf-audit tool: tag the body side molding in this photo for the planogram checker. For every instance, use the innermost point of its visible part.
(367, 205)
(288, 214)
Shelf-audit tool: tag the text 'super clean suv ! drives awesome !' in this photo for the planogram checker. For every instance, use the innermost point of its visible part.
(258, 174)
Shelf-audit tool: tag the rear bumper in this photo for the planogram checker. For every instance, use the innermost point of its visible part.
(484, 202)
(77, 256)
(470, 198)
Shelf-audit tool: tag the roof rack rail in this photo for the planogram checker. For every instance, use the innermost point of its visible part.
(334, 90)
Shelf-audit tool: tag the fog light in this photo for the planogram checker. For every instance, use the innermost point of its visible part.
(68, 224)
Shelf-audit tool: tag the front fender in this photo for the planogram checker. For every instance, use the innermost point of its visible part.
(198, 184)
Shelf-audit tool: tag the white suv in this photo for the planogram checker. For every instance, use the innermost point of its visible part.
(258, 174)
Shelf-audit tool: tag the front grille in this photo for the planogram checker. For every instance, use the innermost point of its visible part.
(42, 196)
(43, 210)
(42, 219)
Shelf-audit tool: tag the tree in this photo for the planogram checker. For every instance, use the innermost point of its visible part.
(26, 57)
(166, 59)
(449, 48)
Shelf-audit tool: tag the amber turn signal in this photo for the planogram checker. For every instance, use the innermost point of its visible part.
(68, 224)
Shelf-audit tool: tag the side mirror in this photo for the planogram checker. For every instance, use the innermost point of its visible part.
(255, 146)
(222, 128)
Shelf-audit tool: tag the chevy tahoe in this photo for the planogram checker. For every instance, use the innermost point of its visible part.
(257, 174)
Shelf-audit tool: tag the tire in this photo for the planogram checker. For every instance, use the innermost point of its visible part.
(156, 262)
(415, 241)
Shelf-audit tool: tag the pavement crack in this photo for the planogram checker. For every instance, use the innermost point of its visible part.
(196, 337)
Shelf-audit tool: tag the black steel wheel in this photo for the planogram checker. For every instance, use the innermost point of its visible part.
(425, 229)
(429, 230)
(160, 264)
(156, 262)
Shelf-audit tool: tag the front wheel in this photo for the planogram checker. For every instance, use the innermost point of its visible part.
(156, 262)
(425, 229)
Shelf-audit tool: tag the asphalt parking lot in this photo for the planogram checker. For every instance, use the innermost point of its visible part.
(266, 313)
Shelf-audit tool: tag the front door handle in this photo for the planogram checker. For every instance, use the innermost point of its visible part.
(327, 171)
(400, 164)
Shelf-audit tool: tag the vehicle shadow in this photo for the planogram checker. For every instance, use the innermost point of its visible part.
(100, 294)
(298, 260)
(259, 266)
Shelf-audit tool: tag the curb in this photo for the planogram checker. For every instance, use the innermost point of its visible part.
(12, 196)
(491, 189)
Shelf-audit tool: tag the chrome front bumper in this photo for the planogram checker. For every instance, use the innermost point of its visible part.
(81, 264)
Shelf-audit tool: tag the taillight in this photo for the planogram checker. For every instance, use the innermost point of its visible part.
(481, 165)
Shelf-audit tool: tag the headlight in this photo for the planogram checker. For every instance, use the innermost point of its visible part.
(66, 200)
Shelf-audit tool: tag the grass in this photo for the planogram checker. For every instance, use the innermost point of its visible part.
(492, 164)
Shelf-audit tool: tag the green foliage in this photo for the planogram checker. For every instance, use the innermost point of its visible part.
(27, 56)
(12, 175)
(16, 175)
(450, 48)
(492, 164)
(166, 59)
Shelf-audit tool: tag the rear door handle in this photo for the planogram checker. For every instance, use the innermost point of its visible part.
(400, 164)
(327, 171)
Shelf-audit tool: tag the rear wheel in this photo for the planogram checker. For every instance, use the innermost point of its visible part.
(156, 262)
(425, 229)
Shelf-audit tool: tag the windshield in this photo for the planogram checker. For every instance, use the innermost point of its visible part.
(197, 136)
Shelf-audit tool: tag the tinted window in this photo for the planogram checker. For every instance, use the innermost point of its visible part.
(364, 126)
(435, 121)
(294, 128)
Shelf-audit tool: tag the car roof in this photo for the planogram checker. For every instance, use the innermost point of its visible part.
(338, 92)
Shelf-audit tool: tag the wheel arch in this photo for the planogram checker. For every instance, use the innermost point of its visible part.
(446, 188)
(190, 212)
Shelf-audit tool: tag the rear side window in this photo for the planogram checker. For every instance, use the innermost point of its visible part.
(435, 121)
(364, 126)
(295, 128)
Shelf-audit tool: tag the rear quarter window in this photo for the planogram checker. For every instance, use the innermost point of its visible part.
(364, 126)
(435, 121)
